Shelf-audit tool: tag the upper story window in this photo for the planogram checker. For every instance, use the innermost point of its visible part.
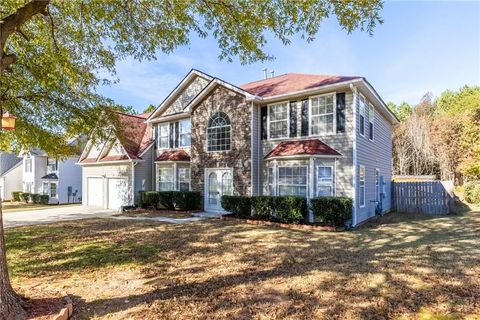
(163, 136)
(185, 128)
(51, 165)
(362, 115)
(28, 164)
(371, 120)
(218, 132)
(278, 120)
(322, 114)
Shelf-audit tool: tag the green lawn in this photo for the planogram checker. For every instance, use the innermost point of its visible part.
(22, 206)
(404, 266)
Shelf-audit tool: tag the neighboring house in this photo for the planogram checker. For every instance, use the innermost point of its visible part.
(294, 134)
(61, 180)
(114, 170)
(10, 175)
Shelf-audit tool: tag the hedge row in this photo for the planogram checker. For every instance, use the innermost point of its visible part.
(170, 200)
(472, 192)
(333, 211)
(30, 197)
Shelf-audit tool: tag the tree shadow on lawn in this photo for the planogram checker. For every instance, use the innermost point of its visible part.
(399, 266)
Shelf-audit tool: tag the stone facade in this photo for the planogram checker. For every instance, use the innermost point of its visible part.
(193, 89)
(239, 156)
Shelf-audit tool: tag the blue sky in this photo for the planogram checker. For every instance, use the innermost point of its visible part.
(421, 47)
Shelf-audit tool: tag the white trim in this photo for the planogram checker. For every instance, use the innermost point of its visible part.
(173, 94)
(206, 186)
(170, 162)
(208, 127)
(308, 177)
(332, 168)
(170, 117)
(132, 201)
(252, 110)
(334, 113)
(354, 169)
(365, 102)
(146, 149)
(288, 120)
(108, 162)
(301, 156)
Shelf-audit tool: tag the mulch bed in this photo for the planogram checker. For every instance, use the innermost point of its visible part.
(282, 225)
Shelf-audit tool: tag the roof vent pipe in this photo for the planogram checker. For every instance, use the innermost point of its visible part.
(265, 73)
(272, 73)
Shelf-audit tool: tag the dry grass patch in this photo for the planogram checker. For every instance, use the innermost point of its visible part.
(404, 266)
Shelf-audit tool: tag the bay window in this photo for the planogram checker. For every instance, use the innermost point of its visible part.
(322, 114)
(292, 181)
(185, 127)
(53, 190)
(278, 120)
(324, 181)
(163, 136)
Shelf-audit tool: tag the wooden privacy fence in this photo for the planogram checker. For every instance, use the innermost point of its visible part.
(432, 197)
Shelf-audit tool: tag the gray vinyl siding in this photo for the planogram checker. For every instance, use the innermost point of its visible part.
(105, 171)
(144, 173)
(255, 149)
(376, 154)
(340, 141)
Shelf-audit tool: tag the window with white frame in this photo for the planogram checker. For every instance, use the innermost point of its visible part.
(165, 179)
(371, 121)
(377, 184)
(362, 115)
(292, 181)
(278, 120)
(51, 165)
(53, 190)
(183, 179)
(45, 188)
(324, 181)
(227, 184)
(271, 186)
(184, 132)
(28, 164)
(218, 132)
(163, 136)
(322, 114)
(361, 178)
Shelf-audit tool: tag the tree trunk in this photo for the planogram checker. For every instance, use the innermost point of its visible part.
(10, 302)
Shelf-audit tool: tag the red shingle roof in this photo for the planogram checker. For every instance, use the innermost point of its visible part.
(302, 147)
(291, 82)
(174, 155)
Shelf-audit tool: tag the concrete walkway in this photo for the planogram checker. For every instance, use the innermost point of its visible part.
(66, 213)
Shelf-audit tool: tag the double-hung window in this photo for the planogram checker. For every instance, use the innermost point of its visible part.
(51, 165)
(362, 115)
(163, 136)
(292, 181)
(371, 120)
(271, 186)
(183, 179)
(45, 188)
(361, 178)
(53, 190)
(324, 181)
(278, 120)
(322, 115)
(28, 164)
(185, 127)
(165, 179)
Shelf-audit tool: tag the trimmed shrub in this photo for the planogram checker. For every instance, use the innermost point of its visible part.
(35, 198)
(241, 206)
(472, 192)
(291, 209)
(43, 198)
(287, 209)
(17, 196)
(333, 211)
(141, 199)
(166, 199)
(152, 199)
(186, 200)
(25, 196)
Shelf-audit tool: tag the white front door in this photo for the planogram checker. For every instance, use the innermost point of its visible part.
(118, 194)
(95, 192)
(218, 182)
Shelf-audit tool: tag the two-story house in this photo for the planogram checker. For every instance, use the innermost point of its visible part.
(61, 179)
(294, 134)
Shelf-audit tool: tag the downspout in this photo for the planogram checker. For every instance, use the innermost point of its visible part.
(354, 173)
(133, 183)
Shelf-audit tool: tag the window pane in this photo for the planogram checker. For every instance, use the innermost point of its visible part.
(165, 179)
(163, 136)
(185, 128)
(292, 181)
(278, 115)
(218, 132)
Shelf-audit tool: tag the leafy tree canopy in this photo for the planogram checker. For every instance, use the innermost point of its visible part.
(150, 108)
(55, 54)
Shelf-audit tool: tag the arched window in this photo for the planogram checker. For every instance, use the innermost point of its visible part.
(218, 132)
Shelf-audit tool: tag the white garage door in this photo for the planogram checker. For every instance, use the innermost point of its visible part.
(95, 192)
(118, 194)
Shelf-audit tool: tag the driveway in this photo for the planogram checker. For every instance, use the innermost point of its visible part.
(24, 218)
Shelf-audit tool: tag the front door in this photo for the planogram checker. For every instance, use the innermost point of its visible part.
(218, 182)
